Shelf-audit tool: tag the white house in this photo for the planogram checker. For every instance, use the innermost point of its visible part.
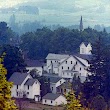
(25, 86)
(34, 65)
(55, 82)
(85, 48)
(54, 99)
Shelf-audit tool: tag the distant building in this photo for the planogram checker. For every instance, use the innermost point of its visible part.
(54, 99)
(85, 48)
(81, 24)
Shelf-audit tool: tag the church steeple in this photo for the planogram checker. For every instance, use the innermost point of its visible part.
(81, 24)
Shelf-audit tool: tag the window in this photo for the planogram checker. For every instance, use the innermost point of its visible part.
(28, 93)
(52, 88)
(17, 93)
(17, 86)
(60, 82)
(71, 62)
(80, 69)
(51, 101)
(66, 62)
(76, 62)
(62, 67)
(64, 90)
(28, 87)
(68, 68)
(55, 61)
(45, 101)
(51, 61)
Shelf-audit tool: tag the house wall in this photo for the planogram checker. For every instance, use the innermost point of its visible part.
(40, 69)
(61, 100)
(82, 49)
(67, 65)
(48, 102)
(54, 86)
(88, 49)
(20, 89)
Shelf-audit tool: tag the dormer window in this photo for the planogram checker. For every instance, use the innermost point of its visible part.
(66, 62)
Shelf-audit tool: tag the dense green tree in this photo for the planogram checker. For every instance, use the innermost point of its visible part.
(6, 34)
(98, 81)
(13, 60)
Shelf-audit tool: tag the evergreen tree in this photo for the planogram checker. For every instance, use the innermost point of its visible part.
(98, 82)
(6, 103)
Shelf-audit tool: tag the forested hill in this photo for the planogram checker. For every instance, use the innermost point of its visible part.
(63, 40)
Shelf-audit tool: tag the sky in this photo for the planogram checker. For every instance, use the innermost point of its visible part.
(68, 12)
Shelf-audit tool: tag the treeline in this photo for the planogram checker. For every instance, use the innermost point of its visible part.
(62, 40)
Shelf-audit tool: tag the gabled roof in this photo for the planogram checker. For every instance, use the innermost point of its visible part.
(34, 63)
(30, 82)
(79, 61)
(53, 79)
(85, 43)
(52, 56)
(84, 56)
(17, 78)
(51, 96)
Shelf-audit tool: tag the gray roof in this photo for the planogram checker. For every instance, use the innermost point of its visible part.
(34, 63)
(30, 82)
(54, 79)
(17, 78)
(79, 61)
(65, 85)
(51, 96)
(51, 56)
(84, 56)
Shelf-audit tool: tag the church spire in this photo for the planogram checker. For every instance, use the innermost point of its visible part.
(81, 24)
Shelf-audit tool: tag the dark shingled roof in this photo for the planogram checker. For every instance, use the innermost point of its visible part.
(54, 79)
(30, 82)
(34, 63)
(84, 56)
(17, 78)
(51, 96)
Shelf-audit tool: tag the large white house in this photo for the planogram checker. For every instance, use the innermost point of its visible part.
(68, 65)
(54, 99)
(25, 86)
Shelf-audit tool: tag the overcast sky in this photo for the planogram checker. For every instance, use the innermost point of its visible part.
(69, 11)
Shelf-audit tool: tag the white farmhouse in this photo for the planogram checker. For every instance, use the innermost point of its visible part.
(54, 99)
(55, 82)
(25, 86)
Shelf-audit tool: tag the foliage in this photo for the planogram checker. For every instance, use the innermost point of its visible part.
(73, 102)
(62, 40)
(6, 103)
(6, 34)
(98, 81)
(98, 103)
(13, 60)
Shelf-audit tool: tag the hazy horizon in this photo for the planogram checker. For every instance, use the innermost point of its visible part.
(60, 11)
